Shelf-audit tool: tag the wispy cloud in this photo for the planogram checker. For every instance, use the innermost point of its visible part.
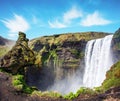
(18, 23)
(73, 13)
(56, 24)
(36, 21)
(67, 18)
(94, 19)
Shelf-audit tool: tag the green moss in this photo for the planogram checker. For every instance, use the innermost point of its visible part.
(47, 94)
(74, 51)
(47, 56)
(60, 39)
(19, 56)
(82, 90)
(38, 60)
(70, 96)
(53, 54)
(117, 34)
(117, 46)
(112, 82)
(20, 85)
(112, 77)
(81, 55)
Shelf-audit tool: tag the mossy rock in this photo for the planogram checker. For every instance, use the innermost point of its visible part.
(19, 56)
(18, 82)
(116, 41)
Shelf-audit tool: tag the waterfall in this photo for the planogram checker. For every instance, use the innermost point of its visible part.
(98, 60)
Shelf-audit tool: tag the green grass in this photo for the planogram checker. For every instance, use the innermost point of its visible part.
(3, 50)
(82, 90)
(112, 77)
(52, 94)
(20, 85)
(66, 37)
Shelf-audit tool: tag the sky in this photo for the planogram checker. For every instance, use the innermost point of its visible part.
(39, 18)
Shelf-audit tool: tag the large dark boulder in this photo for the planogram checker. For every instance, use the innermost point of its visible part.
(19, 56)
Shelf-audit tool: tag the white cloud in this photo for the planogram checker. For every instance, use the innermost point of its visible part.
(18, 23)
(94, 19)
(56, 24)
(73, 13)
(13, 35)
(67, 18)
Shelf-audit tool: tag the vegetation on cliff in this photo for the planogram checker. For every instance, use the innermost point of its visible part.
(4, 50)
(19, 84)
(66, 48)
(116, 40)
(19, 57)
(112, 77)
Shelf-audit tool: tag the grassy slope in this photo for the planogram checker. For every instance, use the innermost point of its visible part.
(112, 77)
(59, 39)
(5, 45)
(4, 50)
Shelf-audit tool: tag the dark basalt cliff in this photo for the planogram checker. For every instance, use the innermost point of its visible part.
(18, 57)
(116, 45)
(68, 49)
(60, 56)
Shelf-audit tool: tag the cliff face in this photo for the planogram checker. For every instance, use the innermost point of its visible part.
(19, 56)
(68, 49)
(60, 57)
(116, 45)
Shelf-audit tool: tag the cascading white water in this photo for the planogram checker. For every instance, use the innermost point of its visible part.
(98, 60)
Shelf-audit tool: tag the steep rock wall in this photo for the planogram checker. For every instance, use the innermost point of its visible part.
(60, 57)
(116, 45)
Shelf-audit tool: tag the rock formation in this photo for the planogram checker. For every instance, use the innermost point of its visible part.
(60, 57)
(19, 56)
(116, 45)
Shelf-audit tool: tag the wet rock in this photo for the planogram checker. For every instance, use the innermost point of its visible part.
(116, 45)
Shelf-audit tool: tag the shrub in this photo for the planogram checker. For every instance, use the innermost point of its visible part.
(20, 85)
(82, 90)
(47, 94)
(70, 96)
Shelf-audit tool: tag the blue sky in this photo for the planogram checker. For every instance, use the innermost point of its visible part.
(47, 17)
